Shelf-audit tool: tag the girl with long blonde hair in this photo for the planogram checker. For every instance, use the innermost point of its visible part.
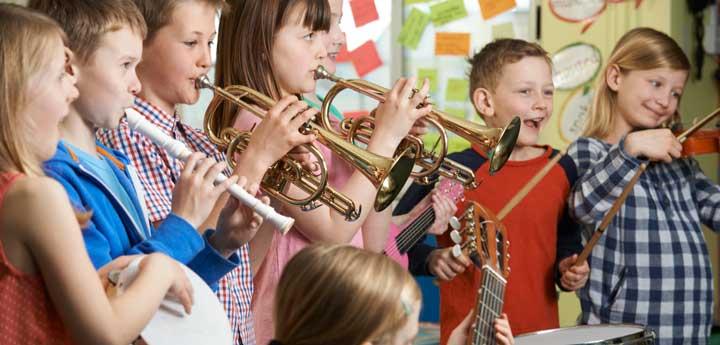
(651, 266)
(50, 292)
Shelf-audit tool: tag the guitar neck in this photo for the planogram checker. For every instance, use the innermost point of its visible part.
(412, 234)
(488, 307)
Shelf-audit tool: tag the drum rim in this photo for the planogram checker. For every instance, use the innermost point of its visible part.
(635, 336)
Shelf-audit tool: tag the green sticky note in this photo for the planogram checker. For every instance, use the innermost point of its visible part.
(457, 90)
(431, 74)
(413, 28)
(447, 11)
(504, 30)
(457, 112)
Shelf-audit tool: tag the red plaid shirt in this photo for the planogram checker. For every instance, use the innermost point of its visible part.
(158, 173)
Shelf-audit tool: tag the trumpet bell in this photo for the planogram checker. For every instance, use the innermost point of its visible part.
(501, 152)
(388, 188)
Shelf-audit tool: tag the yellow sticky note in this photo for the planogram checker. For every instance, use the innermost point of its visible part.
(457, 89)
(431, 74)
(452, 43)
(457, 112)
(504, 30)
(447, 11)
(491, 8)
(413, 28)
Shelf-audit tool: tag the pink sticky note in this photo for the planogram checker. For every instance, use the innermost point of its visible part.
(364, 11)
(365, 58)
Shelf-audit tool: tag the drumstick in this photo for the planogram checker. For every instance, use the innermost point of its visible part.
(178, 150)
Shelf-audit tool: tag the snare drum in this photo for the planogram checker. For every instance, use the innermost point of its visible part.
(590, 334)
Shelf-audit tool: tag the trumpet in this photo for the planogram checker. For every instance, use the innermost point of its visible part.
(498, 141)
(387, 175)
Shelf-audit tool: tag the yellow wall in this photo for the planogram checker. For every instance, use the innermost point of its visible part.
(670, 16)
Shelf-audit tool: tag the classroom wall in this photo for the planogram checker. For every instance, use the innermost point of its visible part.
(700, 97)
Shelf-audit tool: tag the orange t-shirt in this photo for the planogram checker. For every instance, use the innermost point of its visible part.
(532, 229)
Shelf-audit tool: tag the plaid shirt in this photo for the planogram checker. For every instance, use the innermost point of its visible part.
(651, 266)
(158, 173)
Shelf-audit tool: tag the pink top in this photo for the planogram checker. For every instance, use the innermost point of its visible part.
(27, 315)
(283, 248)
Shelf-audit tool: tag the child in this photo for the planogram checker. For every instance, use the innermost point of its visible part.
(107, 39)
(274, 47)
(651, 266)
(39, 232)
(367, 299)
(511, 78)
(175, 53)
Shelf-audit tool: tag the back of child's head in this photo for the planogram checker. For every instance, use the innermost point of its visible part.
(333, 294)
(486, 66)
(27, 40)
(246, 38)
(159, 13)
(86, 21)
(639, 49)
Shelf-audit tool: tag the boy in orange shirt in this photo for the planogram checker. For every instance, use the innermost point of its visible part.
(511, 78)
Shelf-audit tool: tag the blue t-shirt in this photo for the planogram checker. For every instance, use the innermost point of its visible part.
(100, 167)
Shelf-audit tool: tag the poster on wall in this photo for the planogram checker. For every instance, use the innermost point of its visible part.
(575, 65)
(573, 113)
(578, 11)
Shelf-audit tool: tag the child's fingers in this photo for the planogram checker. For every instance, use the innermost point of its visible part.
(222, 187)
(407, 90)
(501, 339)
(190, 164)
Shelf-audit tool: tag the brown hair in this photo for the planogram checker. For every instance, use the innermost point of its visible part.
(335, 294)
(246, 37)
(86, 21)
(26, 40)
(638, 49)
(158, 13)
(486, 66)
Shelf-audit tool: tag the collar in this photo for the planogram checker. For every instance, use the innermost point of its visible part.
(155, 115)
(101, 151)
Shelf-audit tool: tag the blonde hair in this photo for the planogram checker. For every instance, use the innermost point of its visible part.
(26, 43)
(333, 294)
(86, 21)
(638, 49)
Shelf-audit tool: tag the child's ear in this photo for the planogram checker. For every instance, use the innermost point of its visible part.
(613, 77)
(482, 100)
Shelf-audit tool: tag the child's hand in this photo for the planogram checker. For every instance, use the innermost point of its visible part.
(180, 288)
(653, 144)
(460, 334)
(503, 333)
(195, 192)
(399, 112)
(573, 277)
(278, 133)
(237, 224)
(118, 264)
(444, 209)
(443, 265)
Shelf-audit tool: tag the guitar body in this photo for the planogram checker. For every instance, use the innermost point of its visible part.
(404, 237)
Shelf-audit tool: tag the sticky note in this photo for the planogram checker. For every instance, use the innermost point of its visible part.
(504, 30)
(447, 11)
(452, 43)
(410, 2)
(364, 11)
(491, 8)
(457, 89)
(365, 59)
(343, 54)
(431, 74)
(457, 112)
(413, 28)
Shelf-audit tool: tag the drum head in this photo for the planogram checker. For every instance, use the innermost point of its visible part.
(590, 334)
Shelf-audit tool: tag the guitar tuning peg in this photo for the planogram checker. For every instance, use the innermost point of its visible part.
(456, 251)
(455, 237)
(454, 223)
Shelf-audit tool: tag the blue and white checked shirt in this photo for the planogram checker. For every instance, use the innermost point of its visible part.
(651, 266)
(158, 172)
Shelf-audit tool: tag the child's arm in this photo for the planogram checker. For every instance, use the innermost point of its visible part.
(707, 197)
(503, 333)
(53, 238)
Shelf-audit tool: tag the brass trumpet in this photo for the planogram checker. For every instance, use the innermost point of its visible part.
(498, 141)
(388, 175)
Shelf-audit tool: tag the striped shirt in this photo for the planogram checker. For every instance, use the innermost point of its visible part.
(158, 172)
(651, 266)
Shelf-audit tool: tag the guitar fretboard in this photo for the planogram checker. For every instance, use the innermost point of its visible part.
(409, 236)
(489, 306)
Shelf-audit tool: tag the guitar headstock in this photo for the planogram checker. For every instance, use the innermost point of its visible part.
(482, 237)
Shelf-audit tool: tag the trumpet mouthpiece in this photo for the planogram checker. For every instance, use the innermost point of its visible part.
(322, 73)
(202, 82)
